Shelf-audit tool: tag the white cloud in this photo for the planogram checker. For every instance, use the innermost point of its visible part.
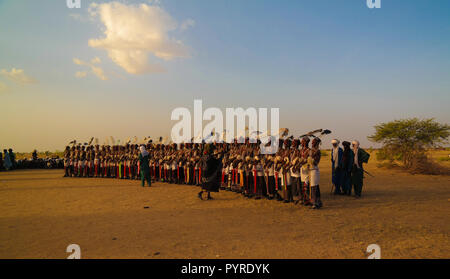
(99, 72)
(96, 70)
(78, 61)
(132, 32)
(18, 76)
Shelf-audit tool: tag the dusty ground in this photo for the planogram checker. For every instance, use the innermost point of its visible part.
(41, 213)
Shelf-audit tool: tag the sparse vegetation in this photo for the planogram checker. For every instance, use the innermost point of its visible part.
(45, 154)
(444, 159)
(408, 140)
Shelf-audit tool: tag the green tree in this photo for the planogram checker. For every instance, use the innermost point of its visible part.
(408, 139)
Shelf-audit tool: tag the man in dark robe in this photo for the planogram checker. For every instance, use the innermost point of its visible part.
(211, 170)
(346, 168)
(360, 157)
(144, 166)
(336, 167)
(34, 155)
(12, 157)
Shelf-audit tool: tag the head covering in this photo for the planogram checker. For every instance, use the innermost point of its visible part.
(143, 151)
(335, 151)
(316, 141)
(305, 140)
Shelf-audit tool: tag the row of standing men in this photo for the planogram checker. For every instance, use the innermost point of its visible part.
(290, 175)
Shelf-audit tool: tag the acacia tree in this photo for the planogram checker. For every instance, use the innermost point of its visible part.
(408, 139)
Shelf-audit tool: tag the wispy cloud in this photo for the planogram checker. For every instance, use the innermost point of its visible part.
(187, 24)
(96, 70)
(81, 74)
(18, 76)
(133, 32)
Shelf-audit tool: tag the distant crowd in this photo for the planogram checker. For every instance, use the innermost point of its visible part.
(8, 161)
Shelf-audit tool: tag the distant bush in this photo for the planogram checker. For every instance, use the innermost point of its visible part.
(422, 164)
(46, 154)
(444, 159)
(407, 141)
(388, 164)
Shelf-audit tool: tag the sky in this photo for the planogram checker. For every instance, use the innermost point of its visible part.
(119, 68)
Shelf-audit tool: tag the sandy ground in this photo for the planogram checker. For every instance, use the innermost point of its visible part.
(41, 213)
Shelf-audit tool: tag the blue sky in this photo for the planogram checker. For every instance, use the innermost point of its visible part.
(325, 64)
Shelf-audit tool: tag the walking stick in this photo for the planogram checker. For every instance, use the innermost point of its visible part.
(368, 173)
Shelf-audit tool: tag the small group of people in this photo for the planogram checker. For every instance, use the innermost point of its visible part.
(347, 167)
(290, 175)
(7, 160)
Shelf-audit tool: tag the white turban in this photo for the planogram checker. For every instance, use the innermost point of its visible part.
(143, 151)
(335, 151)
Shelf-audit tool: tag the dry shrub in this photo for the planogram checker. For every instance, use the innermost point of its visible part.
(425, 165)
(389, 165)
(420, 164)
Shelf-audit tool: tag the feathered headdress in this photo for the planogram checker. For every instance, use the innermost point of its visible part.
(283, 132)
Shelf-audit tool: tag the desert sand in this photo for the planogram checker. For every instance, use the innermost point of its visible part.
(41, 213)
